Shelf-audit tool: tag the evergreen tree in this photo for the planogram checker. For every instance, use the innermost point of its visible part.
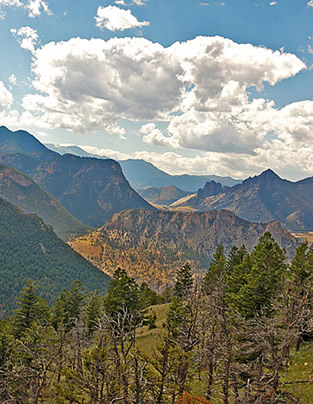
(123, 295)
(300, 291)
(235, 258)
(216, 269)
(68, 306)
(184, 281)
(32, 308)
(92, 312)
(148, 297)
(301, 268)
(236, 277)
(261, 283)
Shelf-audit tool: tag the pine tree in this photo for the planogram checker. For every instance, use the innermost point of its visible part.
(184, 281)
(31, 308)
(236, 277)
(235, 258)
(268, 265)
(123, 295)
(301, 268)
(299, 293)
(68, 306)
(92, 312)
(216, 270)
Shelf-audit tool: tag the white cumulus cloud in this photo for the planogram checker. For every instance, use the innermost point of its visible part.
(10, 3)
(87, 85)
(199, 89)
(34, 8)
(8, 116)
(153, 135)
(116, 19)
(6, 98)
(131, 2)
(27, 37)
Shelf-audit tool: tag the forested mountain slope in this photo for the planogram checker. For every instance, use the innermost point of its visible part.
(22, 191)
(21, 142)
(29, 249)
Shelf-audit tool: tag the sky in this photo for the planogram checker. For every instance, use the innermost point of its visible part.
(192, 86)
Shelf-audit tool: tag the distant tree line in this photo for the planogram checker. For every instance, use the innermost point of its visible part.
(227, 338)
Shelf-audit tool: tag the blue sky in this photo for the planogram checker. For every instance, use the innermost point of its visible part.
(193, 86)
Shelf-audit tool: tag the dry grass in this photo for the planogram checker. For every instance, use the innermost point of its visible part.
(304, 237)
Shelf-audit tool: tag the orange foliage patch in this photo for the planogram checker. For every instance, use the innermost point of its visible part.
(187, 398)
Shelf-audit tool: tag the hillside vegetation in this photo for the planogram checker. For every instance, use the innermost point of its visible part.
(29, 249)
(152, 245)
(237, 336)
(22, 191)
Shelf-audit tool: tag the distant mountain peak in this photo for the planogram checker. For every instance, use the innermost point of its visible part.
(4, 128)
(211, 188)
(266, 177)
(20, 141)
(269, 173)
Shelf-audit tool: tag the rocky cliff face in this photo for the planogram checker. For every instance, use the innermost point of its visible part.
(262, 198)
(152, 245)
(212, 188)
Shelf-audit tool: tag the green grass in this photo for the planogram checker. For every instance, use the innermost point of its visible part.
(301, 369)
(147, 339)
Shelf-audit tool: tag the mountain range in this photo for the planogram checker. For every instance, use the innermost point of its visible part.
(91, 189)
(261, 198)
(29, 249)
(142, 174)
(152, 245)
(73, 194)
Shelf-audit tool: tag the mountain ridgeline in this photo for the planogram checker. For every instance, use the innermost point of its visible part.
(91, 189)
(20, 190)
(142, 174)
(163, 195)
(29, 249)
(22, 142)
(152, 245)
(262, 198)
